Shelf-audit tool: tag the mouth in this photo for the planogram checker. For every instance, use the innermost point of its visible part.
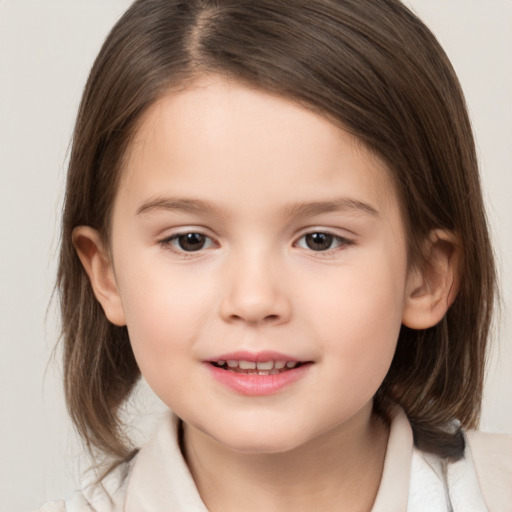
(271, 367)
(257, 374)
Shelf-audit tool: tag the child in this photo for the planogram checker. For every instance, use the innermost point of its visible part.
(273, 214)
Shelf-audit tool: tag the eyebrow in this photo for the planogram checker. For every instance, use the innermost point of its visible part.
(172, 204)
(299, 209)
(338, 205)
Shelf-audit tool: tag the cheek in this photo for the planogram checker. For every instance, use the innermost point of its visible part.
(359, 319)
(164, 314)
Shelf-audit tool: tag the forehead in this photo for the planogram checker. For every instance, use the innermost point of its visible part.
(223, 139)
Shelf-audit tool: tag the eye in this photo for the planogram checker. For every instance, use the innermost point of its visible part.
(321, 241)
(189, 242)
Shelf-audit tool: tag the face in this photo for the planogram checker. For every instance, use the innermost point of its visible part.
(260, 263)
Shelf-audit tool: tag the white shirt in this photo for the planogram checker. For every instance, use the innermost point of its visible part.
(158, 479)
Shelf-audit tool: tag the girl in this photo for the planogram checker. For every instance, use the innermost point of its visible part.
(273, 214)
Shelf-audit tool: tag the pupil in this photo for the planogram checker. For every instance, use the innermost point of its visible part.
(191, 241)
(319, 241)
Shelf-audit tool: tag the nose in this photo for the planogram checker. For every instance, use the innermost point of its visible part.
(255, 292)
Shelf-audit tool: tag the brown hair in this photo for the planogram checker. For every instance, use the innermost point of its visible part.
(369, 65)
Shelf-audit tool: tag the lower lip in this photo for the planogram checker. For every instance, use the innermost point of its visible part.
(258, 385)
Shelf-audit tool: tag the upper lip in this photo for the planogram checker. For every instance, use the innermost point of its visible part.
(257, 357)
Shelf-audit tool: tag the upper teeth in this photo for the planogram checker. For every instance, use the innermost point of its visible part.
(260, 365)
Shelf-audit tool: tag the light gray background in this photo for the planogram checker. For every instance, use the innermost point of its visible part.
(46, 50)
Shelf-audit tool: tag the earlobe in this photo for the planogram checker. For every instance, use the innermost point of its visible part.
(98, 266)
(432, 289)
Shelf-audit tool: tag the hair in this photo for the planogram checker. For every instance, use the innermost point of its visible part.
(372, 67)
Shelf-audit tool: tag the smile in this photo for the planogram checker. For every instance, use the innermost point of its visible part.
(256, 368)
(257, 374)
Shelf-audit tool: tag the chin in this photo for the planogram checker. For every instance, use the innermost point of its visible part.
(260, 446)
(259, 439)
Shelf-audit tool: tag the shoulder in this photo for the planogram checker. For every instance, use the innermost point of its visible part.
(106, 496)
(53, 506)
(492, 458)
(76, 503)
(157, 472)
(479, 481)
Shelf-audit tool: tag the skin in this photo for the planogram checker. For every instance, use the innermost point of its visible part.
(247, 160)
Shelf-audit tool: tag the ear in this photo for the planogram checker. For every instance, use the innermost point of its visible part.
(432, 289)
(98, 265)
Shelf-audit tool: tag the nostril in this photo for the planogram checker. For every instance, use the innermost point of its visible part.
(256, 319)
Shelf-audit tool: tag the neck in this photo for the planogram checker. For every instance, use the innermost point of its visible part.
(339, 470)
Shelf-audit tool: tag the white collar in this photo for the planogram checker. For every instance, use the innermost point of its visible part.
(160, 479)
(412, 481)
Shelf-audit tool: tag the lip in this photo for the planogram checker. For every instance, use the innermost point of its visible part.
(253, 384)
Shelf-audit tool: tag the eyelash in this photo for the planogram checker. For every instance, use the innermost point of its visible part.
(171, 242)
(341, 242)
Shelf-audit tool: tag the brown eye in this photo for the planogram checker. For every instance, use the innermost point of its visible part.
(319, 241)
(191, 241)
(183, 243)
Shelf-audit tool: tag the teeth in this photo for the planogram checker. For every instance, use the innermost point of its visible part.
(265, 365)
(247, 365)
